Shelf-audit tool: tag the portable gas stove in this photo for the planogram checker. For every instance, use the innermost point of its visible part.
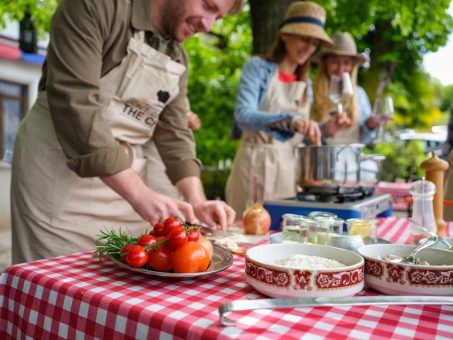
(343, 202)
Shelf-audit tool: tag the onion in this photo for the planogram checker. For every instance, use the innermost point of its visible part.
(256, 220)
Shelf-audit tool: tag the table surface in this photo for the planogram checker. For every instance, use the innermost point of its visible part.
(74, 296)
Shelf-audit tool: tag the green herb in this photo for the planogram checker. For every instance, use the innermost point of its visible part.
(111, 242)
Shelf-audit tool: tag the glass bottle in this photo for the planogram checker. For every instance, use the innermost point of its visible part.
(422, 211)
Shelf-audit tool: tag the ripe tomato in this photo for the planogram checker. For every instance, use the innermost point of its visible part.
(170, 224)
(193, 235)
(207, 244)
(158, 230)
(190, 258)
(177, 238)
(160, 259)
(137, 257)
(125, 251)
(146, 240)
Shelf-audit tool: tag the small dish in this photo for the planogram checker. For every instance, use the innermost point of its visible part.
(221, 260)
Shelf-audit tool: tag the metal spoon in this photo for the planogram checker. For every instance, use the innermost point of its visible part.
(412, 258)
(422, 228)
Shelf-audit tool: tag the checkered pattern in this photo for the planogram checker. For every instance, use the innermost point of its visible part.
(75, 297)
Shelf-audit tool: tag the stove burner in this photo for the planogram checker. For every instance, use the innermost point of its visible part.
(334, 194)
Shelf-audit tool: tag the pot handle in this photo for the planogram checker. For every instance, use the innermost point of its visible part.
(347, 146)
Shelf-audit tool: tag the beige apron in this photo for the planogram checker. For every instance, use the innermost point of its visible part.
(54, 211)
(270, 162)
(448, 195)
(346, 136)
(156, 176)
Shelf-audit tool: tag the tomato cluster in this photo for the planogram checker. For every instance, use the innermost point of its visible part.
(171, 246)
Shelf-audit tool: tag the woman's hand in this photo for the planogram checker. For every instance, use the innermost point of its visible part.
(338, 122)
(310, 129)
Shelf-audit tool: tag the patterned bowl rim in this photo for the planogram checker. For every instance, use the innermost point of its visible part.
(326, 270)
(447, 267)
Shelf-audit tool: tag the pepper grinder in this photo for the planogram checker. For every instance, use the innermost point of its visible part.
(435, 168)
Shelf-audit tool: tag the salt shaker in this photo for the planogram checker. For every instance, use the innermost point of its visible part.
(422, 211)
(435, 169)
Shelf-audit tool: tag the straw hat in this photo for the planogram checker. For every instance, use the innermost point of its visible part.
(343, 44)
(306, 18)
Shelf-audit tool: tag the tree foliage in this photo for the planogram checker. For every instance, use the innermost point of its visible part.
(41, 11)
(216, 61)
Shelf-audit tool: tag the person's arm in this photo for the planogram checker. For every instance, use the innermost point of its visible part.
(73, 66)
(214, 213)
(150, 205)
(248, 115)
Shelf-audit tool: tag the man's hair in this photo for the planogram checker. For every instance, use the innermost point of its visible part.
(237, 7)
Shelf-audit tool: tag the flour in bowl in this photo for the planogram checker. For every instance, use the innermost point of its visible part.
(299, 261)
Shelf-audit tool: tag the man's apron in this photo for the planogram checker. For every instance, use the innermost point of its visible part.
(54, 211)
(263, 160)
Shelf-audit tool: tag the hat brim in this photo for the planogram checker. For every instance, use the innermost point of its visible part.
(360, 58)
(309, 30)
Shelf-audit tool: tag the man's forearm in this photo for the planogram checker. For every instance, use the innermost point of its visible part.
(192, 190)
(126, 183)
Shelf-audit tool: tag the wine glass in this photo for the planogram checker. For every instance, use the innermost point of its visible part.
(384, 112)
(340, 90)
(335, 90)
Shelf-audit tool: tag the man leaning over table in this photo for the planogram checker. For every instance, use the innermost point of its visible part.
(114, 80)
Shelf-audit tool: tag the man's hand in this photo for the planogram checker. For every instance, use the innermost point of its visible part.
(216, 214)
(150, 205)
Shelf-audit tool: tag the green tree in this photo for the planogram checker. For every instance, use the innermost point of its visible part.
(41, 11)
(215, 65)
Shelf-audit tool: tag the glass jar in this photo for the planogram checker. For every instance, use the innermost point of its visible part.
(291, 227)
(321, 214)
(365, 228)
(308, 230)
(327, 226)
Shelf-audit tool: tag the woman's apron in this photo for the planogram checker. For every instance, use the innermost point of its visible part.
(345, 136)
(54, 211)
(264, 166)
(448, 195)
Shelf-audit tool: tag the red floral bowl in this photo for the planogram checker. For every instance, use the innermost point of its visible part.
(408, 279)
(284, 282)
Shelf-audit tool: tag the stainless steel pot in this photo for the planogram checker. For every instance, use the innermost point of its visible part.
(335, 165)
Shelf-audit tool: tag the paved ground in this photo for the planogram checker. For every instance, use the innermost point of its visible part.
(5, 220)
(5, 244)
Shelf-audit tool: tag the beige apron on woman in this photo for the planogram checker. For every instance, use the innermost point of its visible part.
(56, 212)
(346, 136)
(270, 162)
(448, 194)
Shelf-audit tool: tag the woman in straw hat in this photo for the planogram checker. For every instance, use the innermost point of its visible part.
(272, 109)
(355, 124)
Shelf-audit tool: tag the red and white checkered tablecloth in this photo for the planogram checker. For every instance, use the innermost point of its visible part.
(75, 297)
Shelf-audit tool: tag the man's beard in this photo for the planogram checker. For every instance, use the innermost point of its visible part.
(172, 14)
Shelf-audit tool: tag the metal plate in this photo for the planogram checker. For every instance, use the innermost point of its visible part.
(221, 260)
(277, 238)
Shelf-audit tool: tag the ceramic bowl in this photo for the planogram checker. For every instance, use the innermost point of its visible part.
(408, 279)
(282, 282)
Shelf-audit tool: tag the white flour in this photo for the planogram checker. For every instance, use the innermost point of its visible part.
(307, 262)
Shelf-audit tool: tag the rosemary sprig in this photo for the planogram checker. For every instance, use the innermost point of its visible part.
(111, 242)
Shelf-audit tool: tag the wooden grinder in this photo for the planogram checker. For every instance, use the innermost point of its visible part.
(435, 169)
